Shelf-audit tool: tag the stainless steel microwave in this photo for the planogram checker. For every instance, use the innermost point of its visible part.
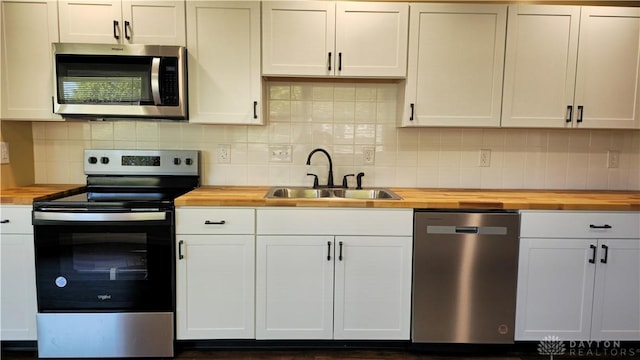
(120, 81)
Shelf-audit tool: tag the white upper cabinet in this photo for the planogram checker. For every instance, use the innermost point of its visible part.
(225, 84)
(570, 66)
(151, 22)
(298, 38)
(320, 38)
(608, 72)
(540, 65)
(28, 29)
(456, 58)
(371, 39)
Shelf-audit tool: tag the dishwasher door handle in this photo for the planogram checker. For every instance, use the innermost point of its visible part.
(466, 229)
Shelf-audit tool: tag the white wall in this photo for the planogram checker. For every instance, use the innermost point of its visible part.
(343, 118)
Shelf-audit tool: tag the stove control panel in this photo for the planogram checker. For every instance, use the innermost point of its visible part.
(142, 162)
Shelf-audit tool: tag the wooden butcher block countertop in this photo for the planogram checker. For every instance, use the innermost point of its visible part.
(25, 195)
(427, 198)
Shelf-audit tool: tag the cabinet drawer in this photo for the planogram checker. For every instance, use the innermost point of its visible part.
(296, 221)
(580, 224)
(205, 220)
(15, 220)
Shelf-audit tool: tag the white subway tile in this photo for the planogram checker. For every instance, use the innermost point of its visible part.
(126, 131)
(102, 131)
(57, 131)
(343, 118)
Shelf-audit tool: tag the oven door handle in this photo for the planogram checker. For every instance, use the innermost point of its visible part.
(73, 216)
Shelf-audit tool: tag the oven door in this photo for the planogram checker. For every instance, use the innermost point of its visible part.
(104, 261)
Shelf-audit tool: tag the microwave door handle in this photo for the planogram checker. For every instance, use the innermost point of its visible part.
(155, 80)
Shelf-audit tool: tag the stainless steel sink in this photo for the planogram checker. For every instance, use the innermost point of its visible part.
(366, 194)
(337, 193)
(297, 193)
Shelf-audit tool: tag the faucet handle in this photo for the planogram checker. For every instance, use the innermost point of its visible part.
(315, 180)
(344, 181)
(359, 180)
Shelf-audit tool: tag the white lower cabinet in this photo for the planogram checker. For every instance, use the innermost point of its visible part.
(579, 276)
(215, 273)
(17, 275)
(333, 274)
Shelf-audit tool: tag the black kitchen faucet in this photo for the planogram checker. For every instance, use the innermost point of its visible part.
(330, 180)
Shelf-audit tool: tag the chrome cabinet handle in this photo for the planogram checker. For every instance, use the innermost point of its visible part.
(221, 222)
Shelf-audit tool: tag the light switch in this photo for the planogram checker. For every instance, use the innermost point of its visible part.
(4, 158)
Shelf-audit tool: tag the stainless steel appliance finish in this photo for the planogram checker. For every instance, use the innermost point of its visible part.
(79, 335)
(120, 81)
(105, 257)
(464, 277)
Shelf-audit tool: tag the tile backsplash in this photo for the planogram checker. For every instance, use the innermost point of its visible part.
(345, 118)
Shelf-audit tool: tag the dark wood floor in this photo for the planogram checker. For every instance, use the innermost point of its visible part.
(296, 355)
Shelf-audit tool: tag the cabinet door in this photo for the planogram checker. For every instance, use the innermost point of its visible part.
(154, 22)
(224, 62)
(616, 303)
(555, 288)
(298, 38)
(98, 22)
(372, 288)
(215, 287)
(294, 287)
(17, 288)
(540, 65)
(608, 74)
(28, 29)
(456, 58)
(366, 50)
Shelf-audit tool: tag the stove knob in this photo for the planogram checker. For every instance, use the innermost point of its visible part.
(188, 161)
(177, 161)
(93, 160)
(104, 160)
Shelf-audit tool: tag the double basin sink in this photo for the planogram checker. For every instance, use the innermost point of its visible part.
(327, 193)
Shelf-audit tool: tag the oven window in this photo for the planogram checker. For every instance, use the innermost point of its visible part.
(114, 256)
(96, 267)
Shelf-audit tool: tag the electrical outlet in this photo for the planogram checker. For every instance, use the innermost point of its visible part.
(485, 158)
(223, 153)
(613, 159)
(280, 153)
(4, 159)
(368, 155)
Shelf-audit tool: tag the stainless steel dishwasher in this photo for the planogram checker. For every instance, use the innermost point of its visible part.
(464, 276)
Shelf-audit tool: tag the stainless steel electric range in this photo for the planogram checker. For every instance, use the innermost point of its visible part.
(105, 268)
